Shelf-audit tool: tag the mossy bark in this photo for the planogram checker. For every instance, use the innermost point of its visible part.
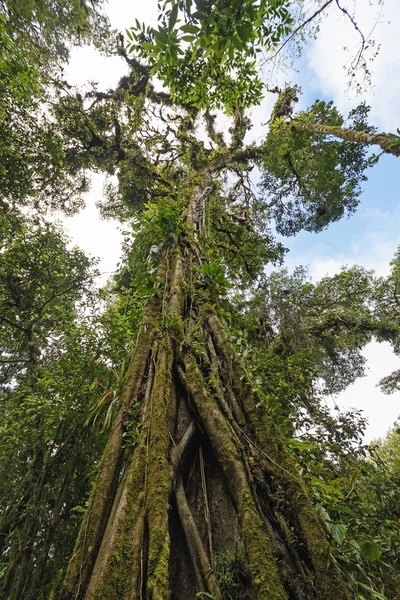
(101, 500)
(385, 141)
(203, 480)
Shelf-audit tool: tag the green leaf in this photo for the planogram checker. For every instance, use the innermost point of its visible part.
(338, 531)
(237, 42)
(370, 550)
(299, 445)
(172, 17)
(244, 31)
(371, 591)
(148, 46)
(341, 508)
(190, 29)
(161, 35)
(323, 513)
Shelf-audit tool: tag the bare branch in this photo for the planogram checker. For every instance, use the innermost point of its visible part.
(296, 31)
(359, 55)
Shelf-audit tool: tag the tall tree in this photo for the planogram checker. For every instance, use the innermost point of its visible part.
(210, 472)
(207, 482)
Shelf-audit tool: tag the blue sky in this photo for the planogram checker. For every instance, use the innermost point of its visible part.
(370, 237)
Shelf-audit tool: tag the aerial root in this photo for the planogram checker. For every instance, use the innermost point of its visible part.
(197, 551)
(258, 544)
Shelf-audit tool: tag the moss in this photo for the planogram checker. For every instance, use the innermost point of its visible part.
(95, 520)
(258, 546)
(118, 575)
(144, 343)
(158, 481)
(262, 561)
(298, 506)
(158, 585)
(146, 499)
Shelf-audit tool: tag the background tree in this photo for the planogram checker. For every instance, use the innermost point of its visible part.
(61, 370)
(36, 37)
(309, 178)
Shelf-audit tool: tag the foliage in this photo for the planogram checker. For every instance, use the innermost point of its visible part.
(65, 345)
(231, 573)
(54, 345)
(35, 38)
(388, 306)
(358, 497)
(309, 180)
(44, 30)
(303, 341)
(205, 52)
(330, 321)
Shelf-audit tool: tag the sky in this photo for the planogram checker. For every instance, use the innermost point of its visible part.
(370, 237)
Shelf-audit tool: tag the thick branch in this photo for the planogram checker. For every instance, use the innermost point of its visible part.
(385, 141)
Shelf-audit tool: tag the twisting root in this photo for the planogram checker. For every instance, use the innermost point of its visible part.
(207, 515)
(195, 545)
(258, 545)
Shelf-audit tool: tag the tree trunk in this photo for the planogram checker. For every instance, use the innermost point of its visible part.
(385, 141)
(209, 485)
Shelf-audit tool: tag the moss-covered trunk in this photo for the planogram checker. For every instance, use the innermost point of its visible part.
(385, 141)
(208, 503)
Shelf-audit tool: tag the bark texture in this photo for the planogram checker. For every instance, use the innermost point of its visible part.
(385, 141)
(209, 480)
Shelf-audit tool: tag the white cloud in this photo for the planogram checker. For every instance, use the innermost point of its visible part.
(123, 14)
(381, 410)
(95, 236)
(373, 244)
(86, 64)
(373, 250)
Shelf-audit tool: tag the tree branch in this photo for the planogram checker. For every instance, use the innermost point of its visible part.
(16, 325)
(306, 22)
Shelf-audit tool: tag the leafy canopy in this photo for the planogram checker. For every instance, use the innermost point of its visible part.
(206, 52)
(309, 179)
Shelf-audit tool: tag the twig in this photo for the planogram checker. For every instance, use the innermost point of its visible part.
(319, 11)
